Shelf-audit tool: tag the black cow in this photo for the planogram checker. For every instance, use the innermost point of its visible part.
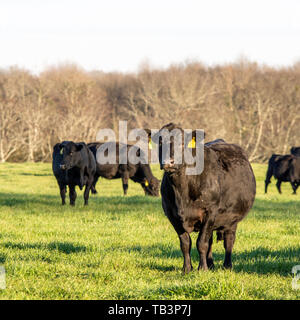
(140, 173)
(74, 165)
(284, 168)
(295, 151)
(217, 141)
(215, 200)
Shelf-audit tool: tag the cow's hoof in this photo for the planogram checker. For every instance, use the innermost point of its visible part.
(187, 270)
(210, 264)
(227, 266)
(202, 268)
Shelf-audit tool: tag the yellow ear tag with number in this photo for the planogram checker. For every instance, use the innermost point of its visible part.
(192, 143)
(146, 183)
(150, 144)
(61, 151)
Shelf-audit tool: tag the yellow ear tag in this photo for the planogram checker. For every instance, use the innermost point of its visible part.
(61, 151)
(150, 144)
(146, 183)
(192, 143)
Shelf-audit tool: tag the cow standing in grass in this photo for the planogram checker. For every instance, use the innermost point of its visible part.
(140, 173)
(284, 168)
(215, 200)
(73, 164)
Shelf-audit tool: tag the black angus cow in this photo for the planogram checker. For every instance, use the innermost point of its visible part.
(295, 151)
(284, 168)
(140, 173)
(73, 164)
(215, 200)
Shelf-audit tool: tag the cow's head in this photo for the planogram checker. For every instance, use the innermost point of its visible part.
(295, 151)
(58, 149)
(71, 155)
(151, 187)
(172, 141)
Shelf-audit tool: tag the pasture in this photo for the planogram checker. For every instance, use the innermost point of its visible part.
(125, 248)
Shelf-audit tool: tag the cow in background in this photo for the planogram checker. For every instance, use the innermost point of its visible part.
(140, 173)
(284, 168)
(73, 165)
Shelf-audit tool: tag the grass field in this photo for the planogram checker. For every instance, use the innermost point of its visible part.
(125, 248)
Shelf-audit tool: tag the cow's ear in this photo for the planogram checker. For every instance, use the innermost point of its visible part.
(190, 138)
(56, 148)
(59, 147)
(148, 131)
(79, 147)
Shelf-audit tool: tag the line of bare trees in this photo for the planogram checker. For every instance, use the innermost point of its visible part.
(257, 107)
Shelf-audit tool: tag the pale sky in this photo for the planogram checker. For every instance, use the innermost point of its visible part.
(119, 35)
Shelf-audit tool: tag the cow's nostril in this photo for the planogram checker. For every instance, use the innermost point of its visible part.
(169, 162)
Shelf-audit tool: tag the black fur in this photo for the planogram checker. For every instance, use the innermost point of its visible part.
(215, 200)
(295, 151)
(284, 168)
(73, 165)
(140, 173)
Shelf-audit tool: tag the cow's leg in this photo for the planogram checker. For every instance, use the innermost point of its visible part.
(93, 187)
(125, 178)
(81, 178)
(72, 194)
(294, 186)
(229, 238)
(268, 177)
(278, 185)
(204, 244)
(209, 257)
(63, 189)
(186, 245)
(87, 190)
(266, 185)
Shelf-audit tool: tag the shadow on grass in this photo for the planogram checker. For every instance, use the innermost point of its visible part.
(64, 247)
(35, 174)
(19, 200)
(2, 259)
(98, 202)
(260, 260)
(280, 207)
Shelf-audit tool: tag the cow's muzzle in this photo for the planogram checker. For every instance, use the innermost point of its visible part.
(168, 165)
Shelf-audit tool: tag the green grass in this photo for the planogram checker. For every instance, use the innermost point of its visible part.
(125, 248)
